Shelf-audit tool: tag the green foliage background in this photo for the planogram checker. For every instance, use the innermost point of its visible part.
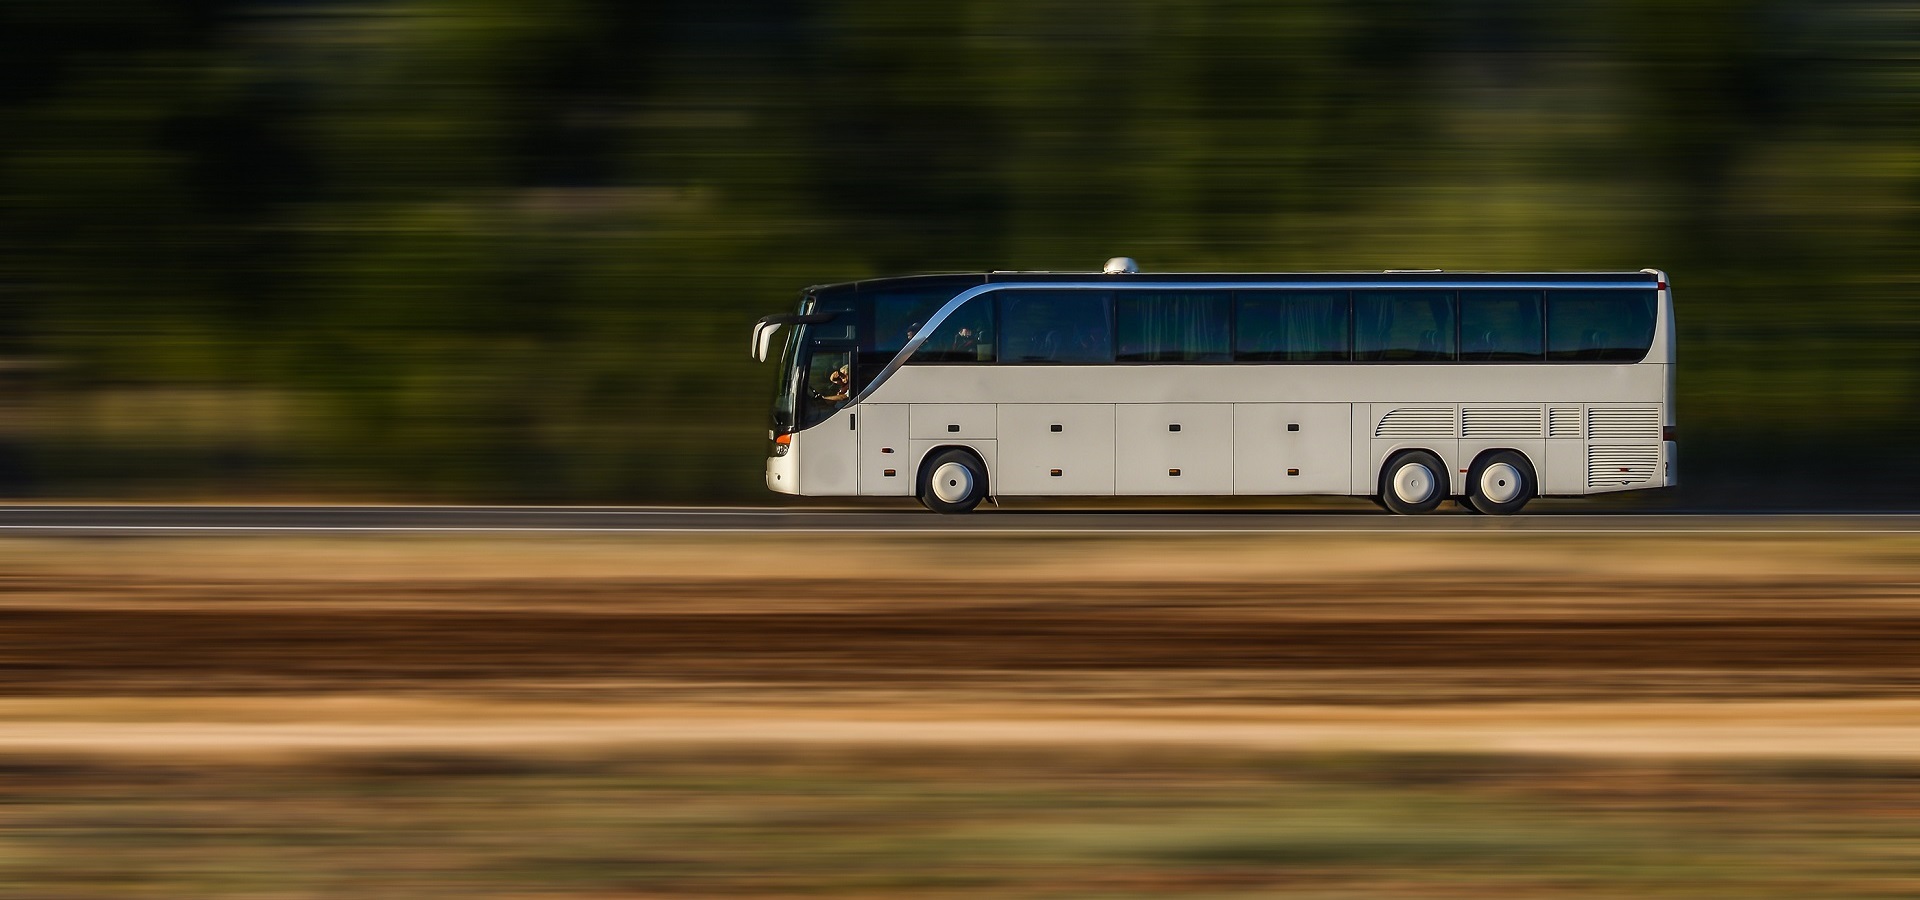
(477, 249)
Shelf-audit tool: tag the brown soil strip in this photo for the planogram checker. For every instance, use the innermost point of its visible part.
(239, 727)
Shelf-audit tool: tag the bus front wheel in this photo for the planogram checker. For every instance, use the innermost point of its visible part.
(953, 481)
(1499, 484)
(1413, 483)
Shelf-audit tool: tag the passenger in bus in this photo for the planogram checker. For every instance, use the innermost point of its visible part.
(966, 344)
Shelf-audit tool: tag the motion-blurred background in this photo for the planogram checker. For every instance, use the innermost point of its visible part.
(477, 249)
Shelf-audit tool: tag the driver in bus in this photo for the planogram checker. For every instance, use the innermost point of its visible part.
(841, 380)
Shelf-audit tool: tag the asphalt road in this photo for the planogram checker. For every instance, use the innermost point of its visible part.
(1570, 518)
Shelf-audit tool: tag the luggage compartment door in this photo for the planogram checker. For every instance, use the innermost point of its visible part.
(1174, 448)
(1056, 449)
(1292, 448)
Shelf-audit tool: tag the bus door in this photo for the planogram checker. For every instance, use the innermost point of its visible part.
(829, 440)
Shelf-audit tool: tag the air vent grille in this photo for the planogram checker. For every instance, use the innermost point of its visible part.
(1623, 424)
(1563, 422)
(1614, 466)
(1500, 423)
(1410, 423)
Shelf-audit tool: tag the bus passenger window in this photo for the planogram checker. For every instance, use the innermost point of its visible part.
(1599, 326)
(1291, 326)
(1501, 325)
(897, 316)
(1173, 327)
(1403, 326)
(965, 336)
(1057, 326)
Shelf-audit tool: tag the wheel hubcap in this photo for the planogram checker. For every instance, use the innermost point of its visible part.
(1500, 483)
(1413, 483)
(952, 482)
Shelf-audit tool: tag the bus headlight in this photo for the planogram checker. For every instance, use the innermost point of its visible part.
(781, 444)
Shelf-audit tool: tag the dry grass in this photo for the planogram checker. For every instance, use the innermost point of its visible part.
(979, 716)
(1528, 556)
(780, 821)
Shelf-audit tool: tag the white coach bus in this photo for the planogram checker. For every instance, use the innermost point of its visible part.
(1405, 387)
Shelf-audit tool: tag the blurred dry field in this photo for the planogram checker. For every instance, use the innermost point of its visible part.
(1435, 715)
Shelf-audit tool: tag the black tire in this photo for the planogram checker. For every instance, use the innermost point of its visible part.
(1466, 503)
(1502, 474)
(1434, 478)
(963, 490)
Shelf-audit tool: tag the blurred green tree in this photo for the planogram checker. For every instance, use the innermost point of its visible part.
(490, 249)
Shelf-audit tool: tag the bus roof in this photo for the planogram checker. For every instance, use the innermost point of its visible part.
(1328, 278)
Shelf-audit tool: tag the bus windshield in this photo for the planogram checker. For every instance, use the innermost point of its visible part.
(783, 399)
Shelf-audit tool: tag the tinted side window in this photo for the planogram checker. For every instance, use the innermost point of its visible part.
(845, 326)
(1291, 326)
(965, 336)
(1408, 326)
(898, 315)
(1174, 326)
(1501, 325)
(1056, 326)
(830, 383)
(1604, 326)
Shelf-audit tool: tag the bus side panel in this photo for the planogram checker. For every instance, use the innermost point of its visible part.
(885, 469)
(1364, 480)
(1623, 447)
(1565, 472)
(1057, 449)
(954, 421)
(1174, 448)
(829, 456)
(1292, 448)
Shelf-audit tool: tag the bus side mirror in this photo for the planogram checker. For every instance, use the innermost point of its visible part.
(763, 333)
(768, 326)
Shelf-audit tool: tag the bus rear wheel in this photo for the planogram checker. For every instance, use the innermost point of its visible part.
(1499, 484)
(1413, 483)
(953, 481)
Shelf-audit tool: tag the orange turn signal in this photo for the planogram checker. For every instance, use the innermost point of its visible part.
(784, 439)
